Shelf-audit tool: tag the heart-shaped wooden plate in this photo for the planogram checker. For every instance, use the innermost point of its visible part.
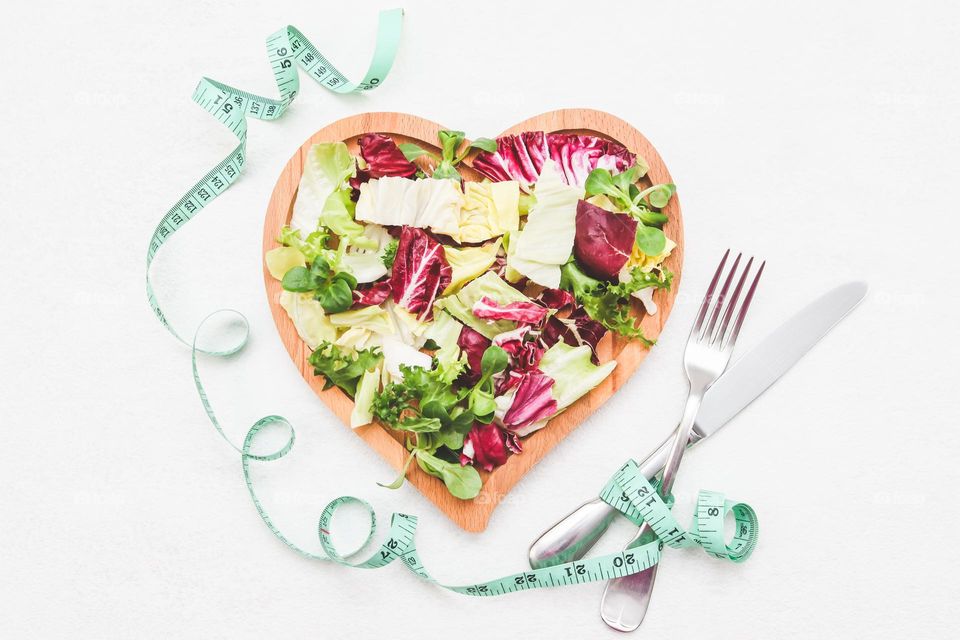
(473, 515)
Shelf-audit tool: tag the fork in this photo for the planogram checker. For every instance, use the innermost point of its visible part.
(707, 354)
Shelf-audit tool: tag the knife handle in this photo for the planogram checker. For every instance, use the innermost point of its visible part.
(572, 537)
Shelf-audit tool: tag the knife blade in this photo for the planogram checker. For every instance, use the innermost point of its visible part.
(754, 373)
(739, 386)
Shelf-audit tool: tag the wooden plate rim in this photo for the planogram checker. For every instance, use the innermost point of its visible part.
(473, 515)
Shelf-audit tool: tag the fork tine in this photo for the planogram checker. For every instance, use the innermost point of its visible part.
(720, 299)
(706, 298)
(731, 305)
(743, 309)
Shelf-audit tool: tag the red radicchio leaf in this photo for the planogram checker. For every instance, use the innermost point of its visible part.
(420, 272)
(473, 343)
(532, 402)
(526, 312)
(524, 354)
(384, 157)
(506, 381)
(371, 294)
(487, 446)
(603, 240)
(575, 330)
(579, 155)
(520, 157)
(556, 298)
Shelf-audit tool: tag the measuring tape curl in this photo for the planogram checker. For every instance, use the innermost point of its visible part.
(628, 491)
(287, 50)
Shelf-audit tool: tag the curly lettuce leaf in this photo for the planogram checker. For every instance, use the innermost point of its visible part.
(609, 303)
(343, 369)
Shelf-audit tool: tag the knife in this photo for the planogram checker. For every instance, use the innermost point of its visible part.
(746, 380)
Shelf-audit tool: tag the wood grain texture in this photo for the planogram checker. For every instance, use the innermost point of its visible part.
(473, 515)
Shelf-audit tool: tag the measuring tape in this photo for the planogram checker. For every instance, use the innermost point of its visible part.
(628, 490)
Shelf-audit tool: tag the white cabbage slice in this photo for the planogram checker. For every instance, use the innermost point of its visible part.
(429, 203)
(546, 241)
(396, 352)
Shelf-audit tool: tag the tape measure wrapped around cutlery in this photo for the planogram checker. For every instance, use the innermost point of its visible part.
(629, 491)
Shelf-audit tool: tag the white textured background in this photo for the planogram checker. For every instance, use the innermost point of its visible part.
(823, 137)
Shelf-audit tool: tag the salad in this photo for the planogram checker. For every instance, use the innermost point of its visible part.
(465, 314)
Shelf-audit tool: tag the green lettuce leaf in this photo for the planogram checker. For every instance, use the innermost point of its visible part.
(363, 402)
(460, 305)
(469, 263)
(326, 169)
(546, 241)
(572, 372)
(312, 323)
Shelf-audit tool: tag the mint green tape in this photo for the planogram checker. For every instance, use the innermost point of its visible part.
(628, 491)
(287, 50)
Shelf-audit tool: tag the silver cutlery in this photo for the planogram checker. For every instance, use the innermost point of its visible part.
(745, 380)
(709, 347)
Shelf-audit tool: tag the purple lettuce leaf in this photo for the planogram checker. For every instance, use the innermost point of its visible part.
(530, 313)
(603, 240)
(556, 298)
(473, 343)
(384, 157)
(533, 402)
(576, 329)
(369, 295)
(487, 446)
(420, 272)
(521, 156)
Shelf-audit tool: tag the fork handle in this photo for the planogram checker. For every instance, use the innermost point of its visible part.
(625, 600)
(571, 538)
